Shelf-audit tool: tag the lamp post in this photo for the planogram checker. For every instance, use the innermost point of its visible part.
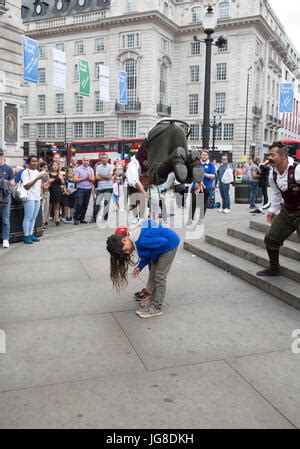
(247, 107)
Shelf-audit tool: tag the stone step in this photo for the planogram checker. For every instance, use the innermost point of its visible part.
(289, 267)
(280, 287)
(242, 232)
(264, 228)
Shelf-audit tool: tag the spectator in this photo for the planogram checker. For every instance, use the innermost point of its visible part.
(6, 181)
(116, 192)
(69, 195)
(104, 176)
(225, 176)
(56, 180)
(45, 193)
(254, 182)
(264, 181)
(74, 162)
(32, 181)
(240, 171)
(154, 199)
(84, 178)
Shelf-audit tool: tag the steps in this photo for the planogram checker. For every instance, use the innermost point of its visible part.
(241, 251)
(264, 228)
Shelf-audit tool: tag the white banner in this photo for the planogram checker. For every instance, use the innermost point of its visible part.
(59, 69)
(104, 82)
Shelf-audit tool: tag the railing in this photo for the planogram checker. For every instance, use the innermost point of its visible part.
(90, 17)
(274, 121)
(257, 111)
(163, 109)
(50, 23)
(131, 106)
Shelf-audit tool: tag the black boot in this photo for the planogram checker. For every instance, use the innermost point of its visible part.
(175, 162)
(195, 170)
(274, 269)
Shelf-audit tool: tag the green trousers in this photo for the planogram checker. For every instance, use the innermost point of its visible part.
(282, 227)
(162, 147)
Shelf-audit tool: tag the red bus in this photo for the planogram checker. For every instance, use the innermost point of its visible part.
(293, 147)
(117, 149)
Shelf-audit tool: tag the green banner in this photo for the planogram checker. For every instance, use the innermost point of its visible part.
(84, 78)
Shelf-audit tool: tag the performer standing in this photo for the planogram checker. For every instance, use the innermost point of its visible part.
(285, 200)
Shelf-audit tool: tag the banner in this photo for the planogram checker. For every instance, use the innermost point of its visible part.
(59, 69)
(11, 123)
(31, 60)
(84, 78)
(122, 87)
(286, 97)
(104, 82)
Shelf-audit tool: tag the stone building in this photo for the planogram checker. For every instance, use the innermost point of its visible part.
(11, 101)
(153, 40)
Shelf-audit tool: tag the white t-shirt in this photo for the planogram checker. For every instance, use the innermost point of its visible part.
(35, 191)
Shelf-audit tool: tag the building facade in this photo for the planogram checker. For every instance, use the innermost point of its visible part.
(154, 41)
(11, 100)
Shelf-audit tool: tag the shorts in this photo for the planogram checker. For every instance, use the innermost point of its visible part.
(69, 201)
(115, 198)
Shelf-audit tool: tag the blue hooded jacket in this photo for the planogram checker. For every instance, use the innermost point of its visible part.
(154, 240)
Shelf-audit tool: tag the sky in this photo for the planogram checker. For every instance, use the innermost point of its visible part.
(288, 12)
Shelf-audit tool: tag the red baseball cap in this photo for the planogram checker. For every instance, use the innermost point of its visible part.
(121, 230)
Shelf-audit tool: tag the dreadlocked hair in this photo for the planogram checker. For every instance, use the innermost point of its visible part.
(119, 261)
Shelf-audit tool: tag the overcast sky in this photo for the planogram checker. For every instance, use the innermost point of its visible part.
(288, 11)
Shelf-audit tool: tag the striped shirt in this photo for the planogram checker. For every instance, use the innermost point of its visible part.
(105, 170)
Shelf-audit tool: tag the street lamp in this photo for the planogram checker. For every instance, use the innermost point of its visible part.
(247, 107)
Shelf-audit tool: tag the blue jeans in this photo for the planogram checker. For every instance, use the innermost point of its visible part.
(5, 209)
(31, 210)
(254, 186)
(224, 191)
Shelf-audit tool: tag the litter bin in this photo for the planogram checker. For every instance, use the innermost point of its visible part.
(242, 193)
(16, 222)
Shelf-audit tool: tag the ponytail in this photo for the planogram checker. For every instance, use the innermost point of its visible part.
(119, 261)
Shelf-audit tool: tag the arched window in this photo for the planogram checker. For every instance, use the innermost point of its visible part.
(166, 9)
(130, 66)
(223, 10)
(196, 14)
(163, 85)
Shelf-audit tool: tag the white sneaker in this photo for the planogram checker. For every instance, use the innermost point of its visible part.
(227, 211)
(5, 244)
(220, 210)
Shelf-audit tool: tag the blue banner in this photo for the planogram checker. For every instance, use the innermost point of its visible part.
(31, 60)
(286, 97)
(122, 87)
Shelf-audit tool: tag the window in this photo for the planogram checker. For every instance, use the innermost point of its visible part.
(166, 9)
(50, 130)
(131, 5)
(273, 88)
(223, 10)
(269, 83)
(89, 130)
(195, 48)
(78, 103)
(97, 70)
(165, 45)
(42, 76)
(130, 68)
(163, 85)
(40, 130)
(228, 131)
(130, 40)
(99, 106)
(220, 103)
(76, 72)
(218, 132)
(60, 103)
(128, 128)
(42, 52)
(99, 44)
(79, 47)
(224, 48)
(42, 104)
(26, 128)
(194, 70)
(60, 128)
(26, 106)
(78, 130)
(193, 104)
(221, 72)
(195, 129)
(60, 46)
(99, 130)
(196, 14)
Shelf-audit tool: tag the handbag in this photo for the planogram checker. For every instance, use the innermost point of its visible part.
(20, 193)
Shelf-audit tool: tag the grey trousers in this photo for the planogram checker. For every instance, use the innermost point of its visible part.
(157, 281)
(282, 227)
(105, 196)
